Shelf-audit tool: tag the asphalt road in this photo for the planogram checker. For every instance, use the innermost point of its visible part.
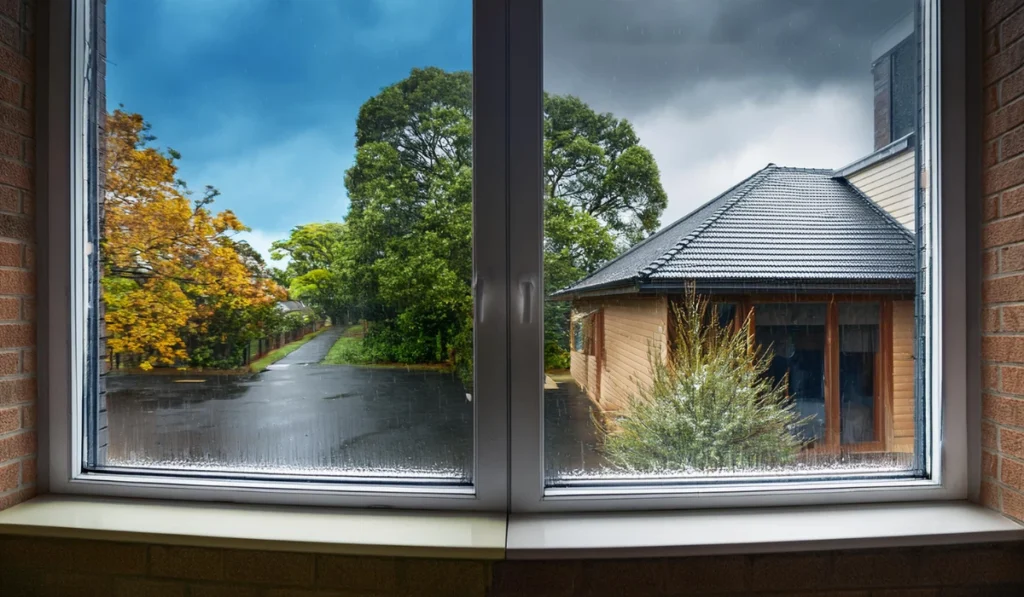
(302, 417)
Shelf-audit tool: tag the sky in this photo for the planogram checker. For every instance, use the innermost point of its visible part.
(261, 96)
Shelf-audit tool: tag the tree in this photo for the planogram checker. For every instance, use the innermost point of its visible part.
(408, 244)
(315, 272)
(709, 407)
(176, 284)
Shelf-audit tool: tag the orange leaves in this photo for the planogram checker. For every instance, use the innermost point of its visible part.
(169, 263)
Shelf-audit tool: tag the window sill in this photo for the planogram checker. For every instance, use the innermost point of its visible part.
(318, 530)
(483, 536)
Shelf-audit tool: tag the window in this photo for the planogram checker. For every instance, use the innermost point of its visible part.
(673, 271)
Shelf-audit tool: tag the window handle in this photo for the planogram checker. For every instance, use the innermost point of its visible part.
(527, 288)
(478, 297)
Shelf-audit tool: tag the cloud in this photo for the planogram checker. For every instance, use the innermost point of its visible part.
(701, 157)
(261, 241)
(615, 54)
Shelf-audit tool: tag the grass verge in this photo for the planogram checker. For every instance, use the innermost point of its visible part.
(277, 354)
(348, 349)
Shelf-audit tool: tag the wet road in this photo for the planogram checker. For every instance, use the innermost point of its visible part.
(305, 418)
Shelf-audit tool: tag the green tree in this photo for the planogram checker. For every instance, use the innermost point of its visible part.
(403, 257)
(709, 407)
(315, 272)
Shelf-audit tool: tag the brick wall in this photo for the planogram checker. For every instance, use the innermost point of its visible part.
(17, 253)
(1002, 486)
(47, 567)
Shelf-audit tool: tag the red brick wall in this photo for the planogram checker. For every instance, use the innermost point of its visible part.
(17, 253)
(1002, 486)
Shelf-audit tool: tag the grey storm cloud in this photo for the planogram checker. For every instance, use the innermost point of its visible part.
(634, 55)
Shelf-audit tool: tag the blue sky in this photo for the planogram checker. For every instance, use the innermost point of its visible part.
(261, 96)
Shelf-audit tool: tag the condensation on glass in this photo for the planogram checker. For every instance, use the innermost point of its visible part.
(734, 252)
(310, 312)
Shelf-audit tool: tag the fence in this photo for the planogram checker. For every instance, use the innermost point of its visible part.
(258, 348)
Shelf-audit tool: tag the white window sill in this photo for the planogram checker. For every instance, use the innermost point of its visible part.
(483, 536)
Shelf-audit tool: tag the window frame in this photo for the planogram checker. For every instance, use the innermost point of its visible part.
(946, 372)
(508, 471)
(65, 127)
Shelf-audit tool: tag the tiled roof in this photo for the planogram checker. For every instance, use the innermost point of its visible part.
(779, 225)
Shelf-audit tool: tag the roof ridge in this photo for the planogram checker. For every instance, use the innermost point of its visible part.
(886, 216)
(760, 177)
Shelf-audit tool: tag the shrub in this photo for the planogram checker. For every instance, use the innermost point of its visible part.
(709, 407)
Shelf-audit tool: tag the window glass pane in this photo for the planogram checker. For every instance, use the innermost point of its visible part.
(859, 377)
(794, 336)
(285, 240)
(714, 187)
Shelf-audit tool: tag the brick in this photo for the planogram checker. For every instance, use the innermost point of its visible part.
(224, 590)
(10, 34)
(991, 105)
(512, 578)
(9, 363)
(1006, 411)
(263, 567)
(990, 154)
(1011, 202)
(1011, 144)
(28, 361)
(30, 256)
(1012, 473)
(17, 282)
(10, 200)
(186, 562)
(991, 41)
(18, 445)
(989, 465)
(10, 92)
(991, 207)
(1013, 504)
(16, 497)
(1005, 231)
(70, 555)
(28, 416)
(9, 476)
(1005, 119)
(1011, 87)
(15, 119)
(990, 262)
(449, 578)
(1012, 319)
(16, 226)
(28, 471)
(28, 309)
(28, 203)
(60, 584)
(17, 175)
(972, 565)
(997, 10)
(137, 587)
(1004, 63)
(990, 377)
(990, 320)
(16, 391)
(989, 495)
(1007, 349)
(988, 435)
(10, 419)
(1012, 258)
(11, 253)
(356, 573)
(1011, 443)
(10, 309)
(718, 574)
(1012, 379)
(17, 334)
(777, 572)
(10, 144)
(1007, 289)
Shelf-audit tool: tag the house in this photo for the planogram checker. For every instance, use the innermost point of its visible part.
(823, 262)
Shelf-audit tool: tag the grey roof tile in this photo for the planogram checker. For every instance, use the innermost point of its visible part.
(780, 224)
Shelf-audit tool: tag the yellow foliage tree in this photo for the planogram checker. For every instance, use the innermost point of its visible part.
(169, 263)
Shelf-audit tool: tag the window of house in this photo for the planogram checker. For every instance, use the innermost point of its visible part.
(360, 268)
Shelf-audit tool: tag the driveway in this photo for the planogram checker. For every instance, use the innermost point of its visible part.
(302, 417)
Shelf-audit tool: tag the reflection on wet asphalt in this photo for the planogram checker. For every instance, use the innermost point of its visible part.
(303, 417)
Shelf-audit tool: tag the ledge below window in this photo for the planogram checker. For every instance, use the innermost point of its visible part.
(483, 536)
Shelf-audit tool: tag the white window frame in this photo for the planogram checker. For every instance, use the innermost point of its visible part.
(947, 306)
(509, 470)
(63, 290)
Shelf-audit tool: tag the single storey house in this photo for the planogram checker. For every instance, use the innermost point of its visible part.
(823, 262)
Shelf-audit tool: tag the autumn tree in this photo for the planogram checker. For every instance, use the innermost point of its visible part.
(177, 286)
